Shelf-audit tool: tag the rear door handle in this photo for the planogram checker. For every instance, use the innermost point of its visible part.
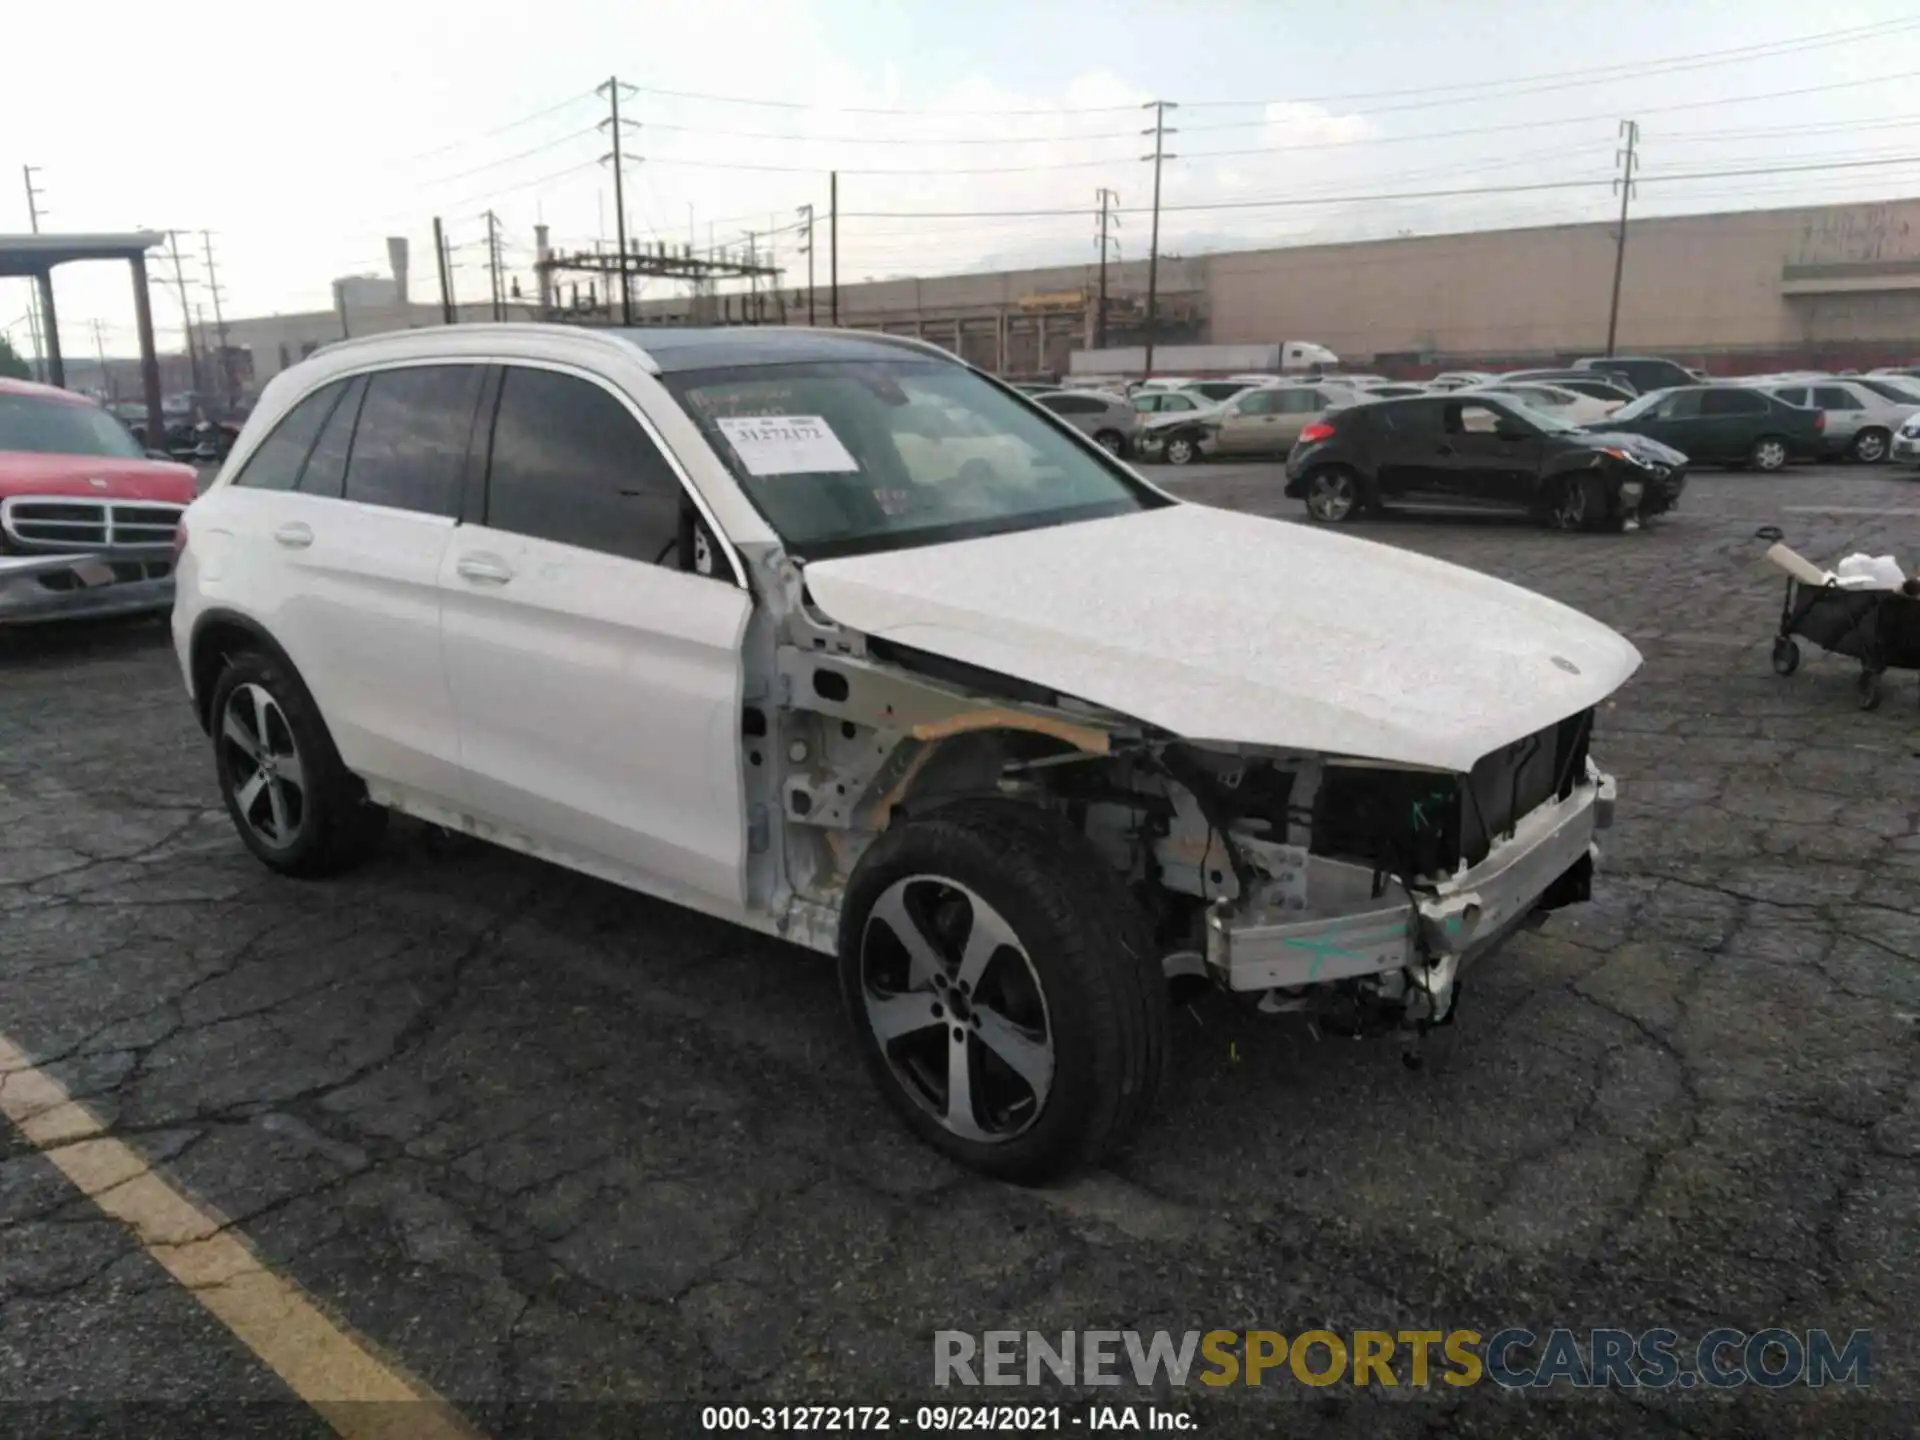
(294, 535)
(485, 569)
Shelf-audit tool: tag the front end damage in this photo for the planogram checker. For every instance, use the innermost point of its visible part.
(1350, 889)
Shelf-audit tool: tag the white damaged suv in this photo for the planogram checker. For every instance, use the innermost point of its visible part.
(835, 637)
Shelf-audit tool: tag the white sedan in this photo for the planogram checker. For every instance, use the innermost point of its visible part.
(1569, 405)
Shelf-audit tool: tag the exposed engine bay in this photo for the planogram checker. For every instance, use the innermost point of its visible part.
(1337, 885)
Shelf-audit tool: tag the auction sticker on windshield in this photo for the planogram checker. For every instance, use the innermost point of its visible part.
(785, 444)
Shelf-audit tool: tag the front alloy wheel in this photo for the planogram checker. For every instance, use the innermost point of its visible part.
(1575, 508)
(956, 1006)
(267, 778)
(1870, 447)
(1004, 987)
(1181, 451)
(1332, 496)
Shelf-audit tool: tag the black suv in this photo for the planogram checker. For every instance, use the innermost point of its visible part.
(1478, 452)
(1727, 425)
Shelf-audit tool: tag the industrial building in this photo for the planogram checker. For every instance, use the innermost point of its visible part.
(1827, 286)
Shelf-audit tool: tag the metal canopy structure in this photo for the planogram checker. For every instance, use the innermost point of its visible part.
(35, 257)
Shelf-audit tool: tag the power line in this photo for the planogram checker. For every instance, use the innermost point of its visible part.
(502, 129)
(511, 159)
(1294, 201)
(1343, 145)
(527, 184)
(1597, 75)
(898, 139)
(872, 109)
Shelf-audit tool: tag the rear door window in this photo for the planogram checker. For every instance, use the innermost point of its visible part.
(1465, 419)
(1419, 420)
(276, 464)
(1732, 402)
(410, 447)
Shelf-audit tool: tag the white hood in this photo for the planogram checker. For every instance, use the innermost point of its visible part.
(1217, 625)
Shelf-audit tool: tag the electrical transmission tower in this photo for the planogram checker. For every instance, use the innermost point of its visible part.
(1103, 237)
(219, 324)
(1159, 157)
(1627, 157)
(614, 124)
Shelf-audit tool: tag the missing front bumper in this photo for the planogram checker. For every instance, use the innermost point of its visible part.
(1545, 863)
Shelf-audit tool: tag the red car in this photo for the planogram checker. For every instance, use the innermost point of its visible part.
(87, 519)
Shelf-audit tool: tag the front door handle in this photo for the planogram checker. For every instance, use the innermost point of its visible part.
(486, 569)
(294, 535)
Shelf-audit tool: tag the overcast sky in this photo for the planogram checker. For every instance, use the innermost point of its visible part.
(302, 136)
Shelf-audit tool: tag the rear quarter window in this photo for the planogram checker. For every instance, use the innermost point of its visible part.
(277, 462)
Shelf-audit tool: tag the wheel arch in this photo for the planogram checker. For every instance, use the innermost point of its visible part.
(218, 635)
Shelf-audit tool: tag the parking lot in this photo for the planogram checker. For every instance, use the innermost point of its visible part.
(540, 1140)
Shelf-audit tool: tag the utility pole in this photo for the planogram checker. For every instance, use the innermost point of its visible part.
(106, 378)
(1158, 157)
(1108, 223)
(446, 274)
(833, 247)
(806, 215)
(493, 263)
(219, 324)
(27, 172)
(753, 285)
(1627, 157)
(186, 312)
(612, 90)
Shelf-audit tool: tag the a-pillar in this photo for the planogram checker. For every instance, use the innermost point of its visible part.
(50, 326)
(149, 358)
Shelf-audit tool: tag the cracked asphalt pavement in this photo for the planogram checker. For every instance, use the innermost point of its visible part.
(545, 1142)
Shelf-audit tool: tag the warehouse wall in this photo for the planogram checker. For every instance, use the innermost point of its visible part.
(1693, 283)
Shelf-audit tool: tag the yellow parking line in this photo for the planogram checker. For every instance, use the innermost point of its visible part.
(361, 1395)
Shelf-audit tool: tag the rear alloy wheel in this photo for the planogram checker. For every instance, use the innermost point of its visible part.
(1769, 453)
(1182, 451)
(1111, 441)
(295, 805)
(1004, 989)
(1333, 495)
(1870, 446)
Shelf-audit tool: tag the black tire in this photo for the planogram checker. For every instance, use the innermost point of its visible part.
(1111, 441)
(1871, 446)
(1769, 454)
(1866, 690)
(1335, 495)
(336, 825)
(1786, 656)
(1086, 943)
(1578, 504)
